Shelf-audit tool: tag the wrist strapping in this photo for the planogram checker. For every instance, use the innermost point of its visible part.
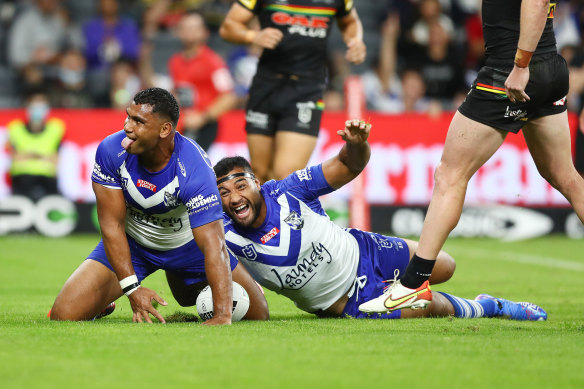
(522, 58)
(129, 284)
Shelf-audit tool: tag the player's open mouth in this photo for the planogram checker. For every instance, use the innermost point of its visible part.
(241, 211)
(127, 142)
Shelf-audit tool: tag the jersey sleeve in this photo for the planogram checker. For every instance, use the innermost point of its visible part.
(344, 7)
(105, 169)
(200, 194)
(251, 5)
(307, 184)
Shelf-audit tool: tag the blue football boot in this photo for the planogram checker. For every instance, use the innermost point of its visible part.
(516, 311)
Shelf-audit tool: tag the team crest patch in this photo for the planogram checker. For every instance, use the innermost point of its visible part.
(249, 252)
(294, 220)
(171, 200)
(305, 111)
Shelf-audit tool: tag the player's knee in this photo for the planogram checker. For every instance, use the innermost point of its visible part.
(444, 268)
(446, 177)
(258, 306)
(258, 310)
(61, 312)
(564, 182)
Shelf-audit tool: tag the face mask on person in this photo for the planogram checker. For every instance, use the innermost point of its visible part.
(37, 112)
(71, 77)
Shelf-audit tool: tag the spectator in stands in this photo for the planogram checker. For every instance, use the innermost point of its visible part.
(125, 83)
(441, 66)
(37, 37)
(386, 90)
(34, 145)
(202, 81)
(430, 13)
(109, 37)
(70, 88)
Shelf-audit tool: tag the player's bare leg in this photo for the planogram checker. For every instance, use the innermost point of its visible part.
(439, 307)
(86, 293)
(258, 306)
(548, 140)
(261, 155)
(293, 150)
(468, 146)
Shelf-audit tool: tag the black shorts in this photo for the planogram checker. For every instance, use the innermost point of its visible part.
(283, 103)
(547, 88)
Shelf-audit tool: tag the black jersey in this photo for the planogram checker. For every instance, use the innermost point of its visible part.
(306, 25)
(501, 29)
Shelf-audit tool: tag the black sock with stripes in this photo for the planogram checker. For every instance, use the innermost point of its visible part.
(418, 271)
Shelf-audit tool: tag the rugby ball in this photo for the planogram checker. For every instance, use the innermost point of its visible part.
(240, 303)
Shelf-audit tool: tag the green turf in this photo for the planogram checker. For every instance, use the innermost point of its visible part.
(294, 349)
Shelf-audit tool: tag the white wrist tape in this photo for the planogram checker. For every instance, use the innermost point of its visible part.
(129, 284)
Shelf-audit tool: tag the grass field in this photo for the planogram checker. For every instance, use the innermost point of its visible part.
(294, 349)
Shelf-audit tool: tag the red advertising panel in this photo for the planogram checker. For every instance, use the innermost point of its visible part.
(405, 152)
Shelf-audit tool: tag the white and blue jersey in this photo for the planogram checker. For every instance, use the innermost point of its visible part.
(300, 253)
(161, 207)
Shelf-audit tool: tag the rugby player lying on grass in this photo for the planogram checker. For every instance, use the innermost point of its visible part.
(282, 235)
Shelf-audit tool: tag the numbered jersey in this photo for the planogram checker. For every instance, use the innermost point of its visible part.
(161, 207)
(306, 26)
(298, 251)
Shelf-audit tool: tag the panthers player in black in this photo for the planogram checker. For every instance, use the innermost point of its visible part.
(523, 85)
(285, 100)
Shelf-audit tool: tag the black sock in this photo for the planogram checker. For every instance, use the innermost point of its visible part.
(418, 271)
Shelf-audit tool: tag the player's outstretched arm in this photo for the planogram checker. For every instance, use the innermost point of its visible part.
(352, 158)
(111, 213)
(210, 238)
(532, 23)
(235, 29)
(352, 31)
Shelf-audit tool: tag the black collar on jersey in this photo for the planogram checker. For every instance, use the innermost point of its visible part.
(234, 175)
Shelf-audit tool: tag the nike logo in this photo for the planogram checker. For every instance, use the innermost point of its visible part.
(398, 302)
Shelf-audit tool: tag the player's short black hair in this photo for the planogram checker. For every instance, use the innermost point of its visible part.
(227, 164)
(162, 102)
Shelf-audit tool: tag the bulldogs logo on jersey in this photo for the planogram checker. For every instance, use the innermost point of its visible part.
(171, 200)
(294, 220)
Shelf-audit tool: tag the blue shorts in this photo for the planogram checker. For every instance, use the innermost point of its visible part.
(146, 261)
(380, 256)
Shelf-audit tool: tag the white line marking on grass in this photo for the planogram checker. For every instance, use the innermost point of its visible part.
(555, 263)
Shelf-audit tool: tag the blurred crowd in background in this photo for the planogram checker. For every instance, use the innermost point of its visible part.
(422, 54)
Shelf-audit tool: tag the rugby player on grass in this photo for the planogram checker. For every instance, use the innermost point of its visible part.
(282, 235)
(158, 208)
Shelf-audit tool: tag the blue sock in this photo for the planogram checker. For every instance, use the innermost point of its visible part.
(471, 308)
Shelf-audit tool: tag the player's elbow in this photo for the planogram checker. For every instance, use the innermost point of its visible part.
(225, 31)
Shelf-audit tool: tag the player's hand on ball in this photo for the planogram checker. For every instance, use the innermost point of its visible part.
(355, 131)
(141, 302)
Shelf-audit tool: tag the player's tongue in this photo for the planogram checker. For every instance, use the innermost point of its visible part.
(127, 142)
